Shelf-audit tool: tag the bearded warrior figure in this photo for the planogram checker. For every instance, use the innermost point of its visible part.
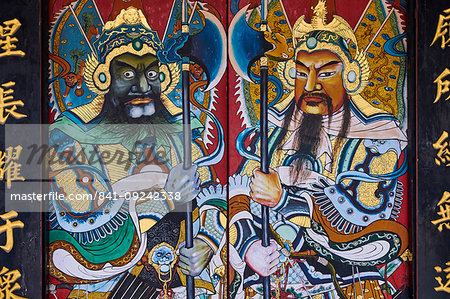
(333, 184)
(123, 147)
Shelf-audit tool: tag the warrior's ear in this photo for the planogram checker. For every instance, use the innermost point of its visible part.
(96, 76)
(286, 73)
(356, 74)
(170, 76)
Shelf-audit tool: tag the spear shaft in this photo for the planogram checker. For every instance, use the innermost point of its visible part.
(187, 146)
(264, 73)
(264, 127)
(187, 163)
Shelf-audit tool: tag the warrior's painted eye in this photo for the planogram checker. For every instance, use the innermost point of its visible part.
(128, 74)
(301, 74)
(152, 74)
(326, 74)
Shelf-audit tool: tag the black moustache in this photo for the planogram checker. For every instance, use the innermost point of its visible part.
(317, 95)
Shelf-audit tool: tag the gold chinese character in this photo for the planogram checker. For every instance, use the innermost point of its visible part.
(6, 39)
(8, 228)
(9, 167)
(442, 86)
(443, 29)
(444, 212)
(442, 287)
(443, 155)
(8, 284)
(6, 95)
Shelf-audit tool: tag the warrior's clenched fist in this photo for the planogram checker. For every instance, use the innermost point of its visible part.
(265, 187)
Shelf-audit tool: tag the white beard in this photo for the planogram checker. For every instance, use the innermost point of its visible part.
(146, 110)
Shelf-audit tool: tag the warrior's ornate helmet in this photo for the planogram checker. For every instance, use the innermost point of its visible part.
(130, 33)
(334, 37)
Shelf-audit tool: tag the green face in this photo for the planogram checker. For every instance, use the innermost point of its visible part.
(135, 84)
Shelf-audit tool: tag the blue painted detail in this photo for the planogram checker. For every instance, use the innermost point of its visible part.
(278, 13)
(370, 84)
(361, 176)
(171, 46)
(195, 26)
(370, 55)
(72, 36)
(234, 6)
(376, 44)
(311, 43)
(390, 46)
(246, 44)
(218, 153)
(392, 77)
(258, 101)
(385, 36)
(208, 46)
(353, 46)
(396, 62)
(287, 231)
(380, 79)
(289, 160)
(353, 206)
(240, 145)
(257, 25)
(283, 22)
(375, 102)
(351, 76)
(371, 17)
(96, 236)
(275, 81)
(174, 39)
(345, 45)
(388, 88)
(83, 220)
(363, 24)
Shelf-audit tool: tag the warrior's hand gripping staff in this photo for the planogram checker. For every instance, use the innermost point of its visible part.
(194, 44)
(179, 46)
(247, 46)
(355, 77)
(187, 147)
(264, 73)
